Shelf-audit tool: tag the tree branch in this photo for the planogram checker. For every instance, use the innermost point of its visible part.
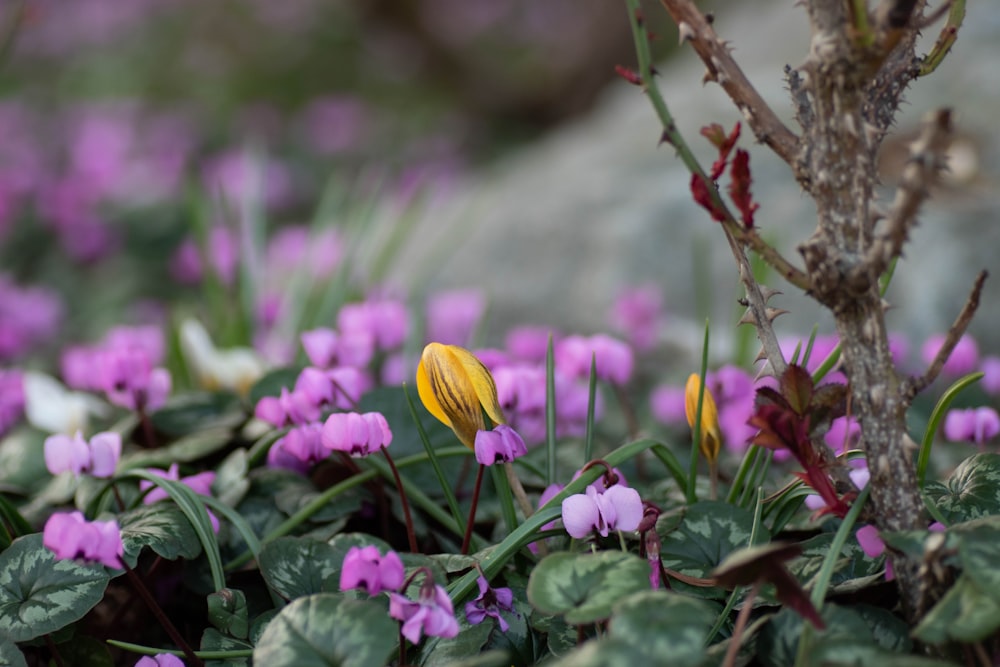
(915, 385)
(722, 69)
(927, 158)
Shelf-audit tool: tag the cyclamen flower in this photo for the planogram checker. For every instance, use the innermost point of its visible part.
(432, 614)
(963, 359)
(291, 407)
(98, 457)
(160, 660)
(356, 434)
(128, 377)
(385, 320)
(990, 366)
(637, 314)
(490, 602)
(70, 536)
(298, 449)
(613, 358)
(326, 348)
(977, 425)
(365, 568)
(200, 483)
(452, 316)
(618, 508)
(501, 445)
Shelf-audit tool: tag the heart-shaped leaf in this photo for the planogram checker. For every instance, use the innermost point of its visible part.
(664, 624)
(227, 610)
(971, 491)
(39, 594)
(965, 614)
(583, 587)
(708, 533)
(163, 528)
(10, 655)
(328, 630)
(297, 566)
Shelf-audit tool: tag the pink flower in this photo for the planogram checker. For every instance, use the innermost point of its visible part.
(288, 408)
(978, 425)
(303, 444)
(98, 458)
(130, 381)
(222, 251)
(200, 483)
(618, 508)
(160, 660)
(364, 568)
(452, 317)
(530, 342)
(963, 360)
(637, 314)
(432, 614)
(70, 536)
(385, 320)
(873, 546)
(990, 366)
(612, 358)
(356, 434)
(502, 444)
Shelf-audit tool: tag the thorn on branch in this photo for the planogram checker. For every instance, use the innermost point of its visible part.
(629, 75)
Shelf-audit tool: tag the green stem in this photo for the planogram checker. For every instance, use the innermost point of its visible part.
(472, 510)
(410, 534)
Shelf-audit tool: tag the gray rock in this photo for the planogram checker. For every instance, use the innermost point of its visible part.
(553, 232)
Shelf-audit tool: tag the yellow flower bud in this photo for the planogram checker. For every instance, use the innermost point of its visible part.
(710, 437)
(456, 388)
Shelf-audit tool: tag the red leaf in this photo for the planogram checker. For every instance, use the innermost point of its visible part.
(715, 134)
(739, 187)
(701, 194)
(629, 75)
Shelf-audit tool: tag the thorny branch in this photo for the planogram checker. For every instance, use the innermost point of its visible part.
(914, 386)
(696, 29)
(927, 158)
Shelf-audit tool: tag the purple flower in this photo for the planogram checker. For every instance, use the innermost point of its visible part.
(977, 425)
(357, 434)
(637, 314)
(365, 568)
(618, 508)
(501, 445)
(28, 316)
(859, 476)
(612, 358)
(667, 405)
(298, 449)
(326, 348)
(990, 366)
(432, 614)
(288, 408)
(452, 317)
(200, 483)
(98, 458)
(128, 377)
(160, 660)
(491, 602)
(70, 536)
(963, 360)
(294, 248)
(531, 343)
(223, 255)
(844, 434)
(385, 320)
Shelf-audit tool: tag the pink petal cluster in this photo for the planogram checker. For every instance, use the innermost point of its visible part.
(432, 613)
(618, 508)
(365, 568)
(978, 425)
(70, 536)
(613, 359)
(357, 434)
(97, 457)
(500, 445)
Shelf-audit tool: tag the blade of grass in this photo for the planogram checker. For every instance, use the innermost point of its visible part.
(673, 466)
(588, 442)
(550, 413)
(692, 493)
(924, 457)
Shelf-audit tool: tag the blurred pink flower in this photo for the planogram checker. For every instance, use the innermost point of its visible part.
(386, 320)
(29, 317)
(11, 399)
(963, 360)
(978, 425)
(613, 359)
(186, 264)
(452, 316)
(637, 314)
(71, 537)
(97, 457)
(530, 342)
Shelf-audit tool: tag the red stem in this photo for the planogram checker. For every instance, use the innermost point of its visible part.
(410, 534)
(467, 539)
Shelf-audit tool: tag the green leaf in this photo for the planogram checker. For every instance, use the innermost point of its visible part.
(584, 587)
(842, 652)
(708, 533)
(193, 447)
(965, 614)
(889, 631)
(664, 624)
(852, 564)
(778, 641)
(297, 566)
(84, 651)
(971, 491)
(611, 652)
(193, 412)
(39, 594)
(10, 655)
(163, 528)
(213, 640)
(328, 630)
(273, 382)
(977, 551)
(227, 610)
(231, 482)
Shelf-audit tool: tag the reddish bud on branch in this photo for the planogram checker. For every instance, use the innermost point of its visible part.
(629, 75)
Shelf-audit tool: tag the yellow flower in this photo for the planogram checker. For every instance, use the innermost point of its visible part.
(710, 437)
(456, 388)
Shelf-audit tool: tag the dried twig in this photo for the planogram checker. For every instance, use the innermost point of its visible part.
(915, 385)
(722, 69)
